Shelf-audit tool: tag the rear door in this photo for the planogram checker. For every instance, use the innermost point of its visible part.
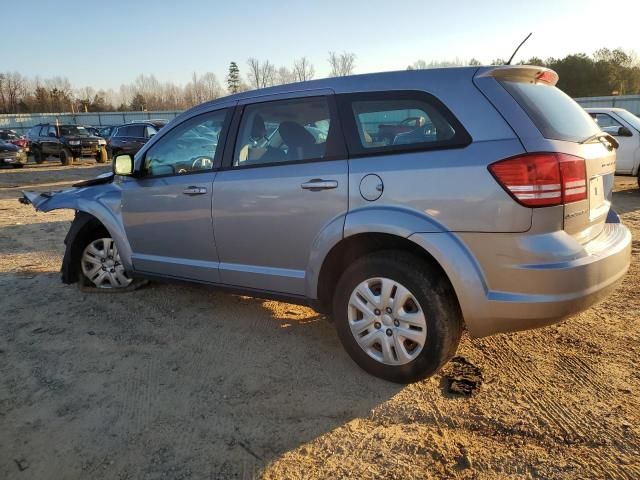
(547, 120)
(167, 208)
(285, 180)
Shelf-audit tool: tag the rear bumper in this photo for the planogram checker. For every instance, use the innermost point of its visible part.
(517, 282)
(540, 294)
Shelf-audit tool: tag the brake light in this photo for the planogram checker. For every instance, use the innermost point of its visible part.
(542, 179)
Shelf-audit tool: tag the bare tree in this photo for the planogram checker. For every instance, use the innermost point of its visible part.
(261, 74)
(303, 70)
(342, 64)
(284, 76)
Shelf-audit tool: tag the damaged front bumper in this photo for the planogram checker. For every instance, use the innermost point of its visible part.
(36, 199)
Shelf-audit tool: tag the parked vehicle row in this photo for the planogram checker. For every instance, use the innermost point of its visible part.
(70, 142)
(488, 206)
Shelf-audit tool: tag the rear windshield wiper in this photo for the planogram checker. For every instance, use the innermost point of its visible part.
(598, 136)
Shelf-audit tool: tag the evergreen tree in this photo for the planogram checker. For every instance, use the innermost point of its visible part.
(233, 78)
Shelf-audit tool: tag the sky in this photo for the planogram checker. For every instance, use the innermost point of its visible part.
(105, 44)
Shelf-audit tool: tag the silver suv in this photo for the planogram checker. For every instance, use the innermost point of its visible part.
(407, 205)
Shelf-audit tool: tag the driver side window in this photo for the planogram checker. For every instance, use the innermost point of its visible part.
(189, 147)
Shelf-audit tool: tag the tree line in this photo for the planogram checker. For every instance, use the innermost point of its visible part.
(606, 72)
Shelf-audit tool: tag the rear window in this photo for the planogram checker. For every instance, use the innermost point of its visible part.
(556, 115)
(394, 122)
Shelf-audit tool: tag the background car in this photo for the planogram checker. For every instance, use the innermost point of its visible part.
(11, 136)
(129, 138)
(625, 126)
(67, 142)
(11, 155)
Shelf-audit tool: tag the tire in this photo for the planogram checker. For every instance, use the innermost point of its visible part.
(66, 157)
(638, 178)
(99, 268)
(101, 156)
(429, 294)
(38, 156)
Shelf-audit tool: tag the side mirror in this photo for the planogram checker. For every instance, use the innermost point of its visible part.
(624, 132)
(51, 134)
(123, 165)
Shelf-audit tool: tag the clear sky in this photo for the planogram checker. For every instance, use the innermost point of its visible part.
(106, 43)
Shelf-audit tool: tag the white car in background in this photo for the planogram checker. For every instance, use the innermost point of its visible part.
(625, 126)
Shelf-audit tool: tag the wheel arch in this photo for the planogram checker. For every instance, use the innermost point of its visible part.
(355, 246)
(84, 227)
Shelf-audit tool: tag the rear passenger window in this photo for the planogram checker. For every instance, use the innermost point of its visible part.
(293, 130)
(396, 121)
(136, 131)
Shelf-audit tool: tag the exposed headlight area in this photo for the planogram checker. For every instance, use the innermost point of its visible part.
(102, 141)
(74, 142)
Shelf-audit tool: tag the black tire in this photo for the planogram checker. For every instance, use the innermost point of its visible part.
(638, 178)
(101, 156)
(435, 296)
(66, 157)
(38, 156)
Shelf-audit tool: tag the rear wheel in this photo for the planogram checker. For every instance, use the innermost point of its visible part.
(66, 157)
(101, 156)
(397, 316)
(38, 156)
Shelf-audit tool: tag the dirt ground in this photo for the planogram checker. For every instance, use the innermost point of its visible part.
(180, 381)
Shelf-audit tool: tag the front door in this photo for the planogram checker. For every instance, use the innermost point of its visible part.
(287, 179)
(167, 210)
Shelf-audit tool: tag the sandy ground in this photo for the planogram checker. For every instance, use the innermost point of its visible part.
(180, 381)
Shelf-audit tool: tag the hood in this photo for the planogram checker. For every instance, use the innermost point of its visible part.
(8, 147)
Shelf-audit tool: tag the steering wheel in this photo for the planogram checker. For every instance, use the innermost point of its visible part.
(202, 163)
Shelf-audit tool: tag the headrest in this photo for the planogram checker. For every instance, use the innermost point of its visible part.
(258, 130)
(294, 135)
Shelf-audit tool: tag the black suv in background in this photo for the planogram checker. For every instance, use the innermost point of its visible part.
(66, 142)
(129, 138)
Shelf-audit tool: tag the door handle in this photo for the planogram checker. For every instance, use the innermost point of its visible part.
(195, 191)
(319, 184)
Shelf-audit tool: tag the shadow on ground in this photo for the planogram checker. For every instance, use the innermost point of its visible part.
(166, 379)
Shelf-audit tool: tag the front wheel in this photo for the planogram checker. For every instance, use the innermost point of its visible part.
(397, 316)
(101, 156)
(66, 157)
(101, 268)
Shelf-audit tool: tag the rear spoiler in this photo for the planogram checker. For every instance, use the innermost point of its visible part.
(520, 73)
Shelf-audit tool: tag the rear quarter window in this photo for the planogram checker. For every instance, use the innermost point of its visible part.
(399, 121)
(557, 116)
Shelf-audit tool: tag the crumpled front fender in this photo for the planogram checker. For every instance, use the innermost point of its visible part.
(102, 201)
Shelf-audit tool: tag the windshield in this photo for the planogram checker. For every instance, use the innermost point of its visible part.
(74, 130)
(556, 115)
(630, 118)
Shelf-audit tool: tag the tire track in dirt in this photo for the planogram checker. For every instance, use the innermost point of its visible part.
(577, 425)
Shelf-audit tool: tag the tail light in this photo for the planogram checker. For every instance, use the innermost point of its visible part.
(542, 179)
